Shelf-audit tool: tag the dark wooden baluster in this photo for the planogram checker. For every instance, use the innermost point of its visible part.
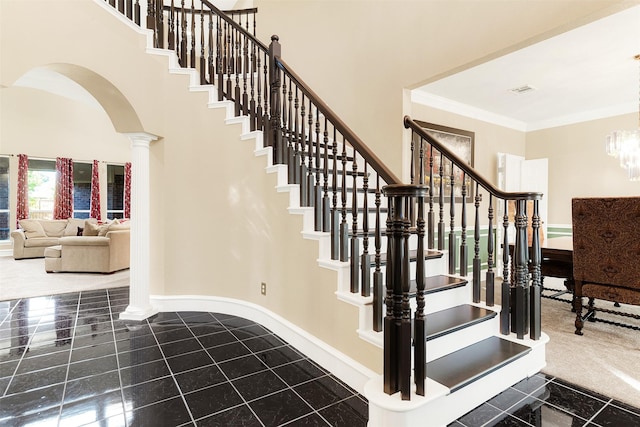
(477, 262)
(129, 9)
(136, 13)
(203, 59)
(355, 241)
(490, 276)
(506, 287)
(259, 110)
(182, 57)
(452, 222)
(286, 142)
(335, 212)
(326, 206)
(296, 135)
(317, 189)
(365, 288)
(441, 205)
(210, 60)
(291, 140)
(378, 297)
(192, 55)
(160, 23)
(344, 227)
(420, 334)
(229, 63)
(310, 146)
(304, 196)
(520, 312)
(463, 226)
(171, 24)
(431, 214)
(237, 69)
(536, 277)
(265, 119)
(245, 80)
(151, 20)
(220, 58)
(252, 102)
(393, 311)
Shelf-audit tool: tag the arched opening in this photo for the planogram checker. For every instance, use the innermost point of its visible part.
(65, 96)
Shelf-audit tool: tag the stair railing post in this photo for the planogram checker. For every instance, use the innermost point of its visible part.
(536, 277)
(275, 135)
(397, 322)
(520, 314)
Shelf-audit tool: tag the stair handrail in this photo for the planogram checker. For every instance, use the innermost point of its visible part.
(409, 123)
(357, 143)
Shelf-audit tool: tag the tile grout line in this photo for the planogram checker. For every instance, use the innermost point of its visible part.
(115, 349)
(218, 366)
(73, 337)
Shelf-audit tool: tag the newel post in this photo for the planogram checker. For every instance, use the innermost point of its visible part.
(397, 322)
(274, 134)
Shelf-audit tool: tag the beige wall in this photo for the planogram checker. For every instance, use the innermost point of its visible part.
(578, 165)
(360, 55)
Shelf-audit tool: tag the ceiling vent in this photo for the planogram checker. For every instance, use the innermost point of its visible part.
(522, 89)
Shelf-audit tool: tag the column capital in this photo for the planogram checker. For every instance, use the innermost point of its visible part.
(141, 136)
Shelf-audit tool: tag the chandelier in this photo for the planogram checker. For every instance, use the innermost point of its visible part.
(625, 144)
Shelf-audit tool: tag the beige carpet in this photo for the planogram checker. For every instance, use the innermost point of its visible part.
(27, 278)
(606, 359)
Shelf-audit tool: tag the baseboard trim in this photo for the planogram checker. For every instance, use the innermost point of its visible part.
(348, 370)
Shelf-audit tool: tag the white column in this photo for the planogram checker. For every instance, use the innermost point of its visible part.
(139, 306)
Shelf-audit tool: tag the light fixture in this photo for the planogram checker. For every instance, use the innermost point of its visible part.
(625, 144)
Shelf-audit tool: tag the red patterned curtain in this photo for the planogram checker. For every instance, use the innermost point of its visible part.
(63, 200)
(22, 210)
(127, 190)
(95, 192)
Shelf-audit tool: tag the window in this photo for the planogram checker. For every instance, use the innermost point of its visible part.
(4, 198)
(82, 189)
(42, 188)
(115, 191)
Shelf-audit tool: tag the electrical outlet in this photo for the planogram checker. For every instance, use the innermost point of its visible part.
(263, 288)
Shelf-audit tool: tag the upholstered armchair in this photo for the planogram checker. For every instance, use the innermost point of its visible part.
(606, 252)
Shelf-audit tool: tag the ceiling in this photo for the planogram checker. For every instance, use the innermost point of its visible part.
(583, 74)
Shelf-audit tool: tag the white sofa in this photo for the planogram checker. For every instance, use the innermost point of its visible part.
(95, 254)
(34, 235)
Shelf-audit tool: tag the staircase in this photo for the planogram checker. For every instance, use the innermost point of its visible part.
(474, 349)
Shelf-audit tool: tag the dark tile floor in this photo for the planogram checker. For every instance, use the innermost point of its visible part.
(66, 360)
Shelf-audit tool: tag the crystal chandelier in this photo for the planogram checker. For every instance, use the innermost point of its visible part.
(625, 144)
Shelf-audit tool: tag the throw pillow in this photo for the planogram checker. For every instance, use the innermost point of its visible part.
(32, 228)
(90, 229)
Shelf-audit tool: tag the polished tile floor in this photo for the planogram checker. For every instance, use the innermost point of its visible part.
(66, 360)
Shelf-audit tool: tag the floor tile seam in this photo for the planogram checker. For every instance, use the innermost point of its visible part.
(489, 423)
(115, 348)
(336, 402)
(223, 374)
(232, 408)
(590, 421)
(66, 377)
(4, 393)
(295, 420)
(34, 388)
(584, 393)
(175, 381)
(634, 410)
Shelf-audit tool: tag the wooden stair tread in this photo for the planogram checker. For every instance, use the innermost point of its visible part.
(462, 367)
(413, 254)
(438, 283)
(456, 318)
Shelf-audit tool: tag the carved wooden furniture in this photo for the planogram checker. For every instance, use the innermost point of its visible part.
(606, 252)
